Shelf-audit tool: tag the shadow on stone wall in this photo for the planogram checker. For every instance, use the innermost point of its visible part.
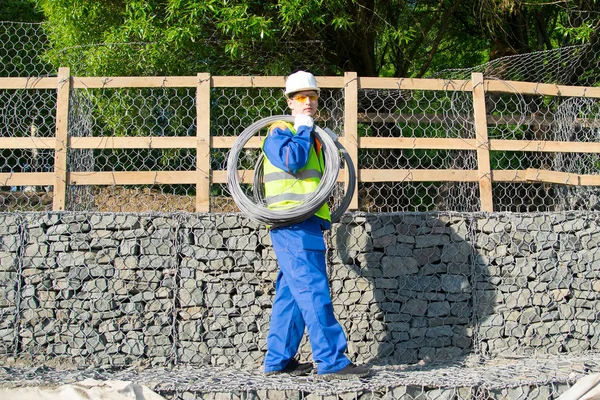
(404, 286)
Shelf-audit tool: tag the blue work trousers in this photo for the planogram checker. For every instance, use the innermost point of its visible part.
(303, 299)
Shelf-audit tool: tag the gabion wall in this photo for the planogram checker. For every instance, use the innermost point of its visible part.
(152, 289)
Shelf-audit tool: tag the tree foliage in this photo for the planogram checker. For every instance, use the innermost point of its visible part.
(373, 38)
(19, 11)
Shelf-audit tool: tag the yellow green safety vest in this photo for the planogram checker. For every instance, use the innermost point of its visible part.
(284, 190)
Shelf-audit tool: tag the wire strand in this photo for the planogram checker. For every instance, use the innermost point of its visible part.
(254, 207)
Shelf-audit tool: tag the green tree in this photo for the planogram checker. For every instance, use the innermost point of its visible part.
(135, 37)
(373, 38)
(19, 11)
(269, 37)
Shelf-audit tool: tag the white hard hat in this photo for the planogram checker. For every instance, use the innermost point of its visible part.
(299, 81)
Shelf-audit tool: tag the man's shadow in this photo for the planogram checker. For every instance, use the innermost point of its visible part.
(408, 288)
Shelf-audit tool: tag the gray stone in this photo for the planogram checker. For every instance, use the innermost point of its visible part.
(194, 297)
(113, 222)
(128, 262)
(8, 261)
(384, 241)
(431, 240)
(393, 266)
(153, 246)
(455, 283)
(129, 247)
(438, 309)
(32, 250)
(351, 237)
(415, 307)
(208, 239)
(492, 225)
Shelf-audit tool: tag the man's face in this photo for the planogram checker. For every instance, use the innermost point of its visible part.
(304, 102)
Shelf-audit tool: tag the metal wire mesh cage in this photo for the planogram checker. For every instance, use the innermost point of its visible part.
(437, 303)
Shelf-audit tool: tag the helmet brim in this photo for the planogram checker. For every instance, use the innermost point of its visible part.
(296, 90)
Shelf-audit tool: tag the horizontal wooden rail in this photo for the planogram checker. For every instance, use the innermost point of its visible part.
(414, 84)
(416, 143)
(509, 175)
(491, 85)
(28, 83)
(226, 142)
(365, 175)
(114, 82)
(544, 146)
(27, 179)
(532, 88)
(28, 143)
(132, 178)
(545, 176)
(565, 178)
(332, 82)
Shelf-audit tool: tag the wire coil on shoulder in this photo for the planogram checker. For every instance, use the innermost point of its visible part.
(254, 207)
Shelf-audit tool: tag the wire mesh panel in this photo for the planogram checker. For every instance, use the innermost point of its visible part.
(415, 114)
(393, 176)
(27, 114)
(534, 289)
(568, 65)
(444, 304)
(232, 111)
(97, 289)
(439, 304)
(22, 46)
(543, 118)
(402, 287)
(122, 113)
(225, 291)
(10, 281)
(407, 288)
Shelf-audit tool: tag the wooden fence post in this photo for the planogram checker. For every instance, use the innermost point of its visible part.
(482, 142)
(61, 138)
(351, 127)
(203, 142)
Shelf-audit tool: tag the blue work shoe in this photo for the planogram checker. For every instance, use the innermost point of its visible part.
(294, 367)
(350, 371)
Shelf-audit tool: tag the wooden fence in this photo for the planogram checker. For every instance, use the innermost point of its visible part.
(202, 176)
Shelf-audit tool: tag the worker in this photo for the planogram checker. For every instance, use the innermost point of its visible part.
(293, 166)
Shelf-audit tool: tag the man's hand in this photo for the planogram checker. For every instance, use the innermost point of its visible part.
(303, 120)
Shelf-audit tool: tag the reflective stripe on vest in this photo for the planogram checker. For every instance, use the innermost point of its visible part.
(284, 190)
(287, 197)
(311, 173)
